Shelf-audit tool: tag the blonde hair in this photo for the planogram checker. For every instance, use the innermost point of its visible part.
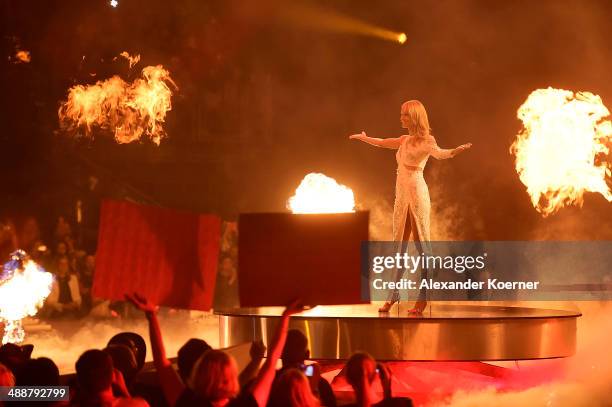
(215, 376)
(292, 389)
(418, 123)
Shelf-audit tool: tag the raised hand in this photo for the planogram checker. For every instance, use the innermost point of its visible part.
(294, 307)
(315, 378)
(258, 350)
(119, 382)
(462, 148)
(465, 146)
(141, 303)
(385, 378)
(359, 136)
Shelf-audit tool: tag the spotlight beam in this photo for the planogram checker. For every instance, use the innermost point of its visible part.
(310, 16)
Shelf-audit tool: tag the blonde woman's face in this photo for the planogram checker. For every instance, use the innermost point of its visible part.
(404, 118)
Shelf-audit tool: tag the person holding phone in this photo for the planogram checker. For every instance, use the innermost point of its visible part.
(361, 371)
(294, 355)
(292, 389)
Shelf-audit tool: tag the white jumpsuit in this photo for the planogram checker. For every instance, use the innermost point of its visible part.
(411, 193)
(412, 202)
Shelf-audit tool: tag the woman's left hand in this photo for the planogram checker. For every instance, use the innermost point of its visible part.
(462, 148)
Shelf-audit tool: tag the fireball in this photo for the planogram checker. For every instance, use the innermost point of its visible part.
(24, 286)
(22, 56)
(561, 150)
(318, 193)
(128, 110)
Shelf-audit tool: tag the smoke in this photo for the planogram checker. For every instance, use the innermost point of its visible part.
(381, 219)
(448, 218)
(581, 380)
(67, 340)
(575, 224)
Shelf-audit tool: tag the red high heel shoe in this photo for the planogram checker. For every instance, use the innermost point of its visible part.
(387, 306)
(392, 299)
(419, 307)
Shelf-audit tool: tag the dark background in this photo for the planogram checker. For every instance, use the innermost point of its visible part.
(263, 101)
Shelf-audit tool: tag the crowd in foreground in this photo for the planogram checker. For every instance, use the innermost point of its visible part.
(112, 377)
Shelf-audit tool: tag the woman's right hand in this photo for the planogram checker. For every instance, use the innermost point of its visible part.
(359, 136)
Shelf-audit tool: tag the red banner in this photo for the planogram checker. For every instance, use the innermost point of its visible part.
(167, 255)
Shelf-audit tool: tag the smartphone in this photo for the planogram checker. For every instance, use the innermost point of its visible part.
(308, 370)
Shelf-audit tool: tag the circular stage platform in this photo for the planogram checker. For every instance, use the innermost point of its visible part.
(444, 332)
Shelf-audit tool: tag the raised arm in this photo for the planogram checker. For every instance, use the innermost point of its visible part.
(257, 352)
(263, 383)
(171, 383)
(444, 153)
(393, 143)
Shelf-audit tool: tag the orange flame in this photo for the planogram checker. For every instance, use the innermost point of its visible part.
(130, 110)
(22, 295)
(560, 152)
(318, 193)
(23, 56)
(132, 60)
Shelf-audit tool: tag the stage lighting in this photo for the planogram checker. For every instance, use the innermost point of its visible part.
(401, 38)
(114, 3)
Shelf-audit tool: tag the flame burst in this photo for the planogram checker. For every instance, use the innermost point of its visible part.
(132, 60)
(22, 56)
(560, 152)
(318, 193)
(130, 110)
(24, 286)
